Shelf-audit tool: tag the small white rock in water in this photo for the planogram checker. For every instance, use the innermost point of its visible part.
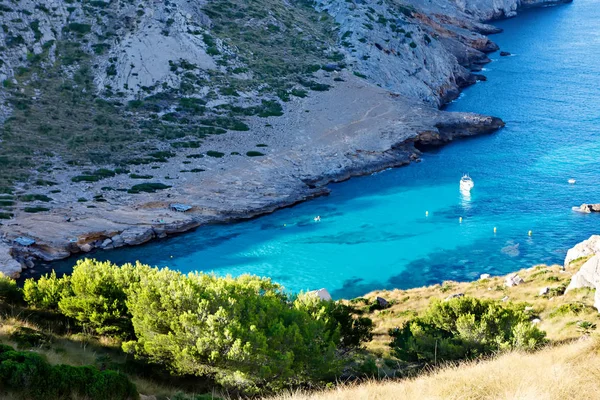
(513, 280)
(484, 276)
(536, 321)
(544, 291)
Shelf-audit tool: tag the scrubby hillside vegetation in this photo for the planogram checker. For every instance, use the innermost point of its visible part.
(564, 372)
(243, 336)
(160, 333)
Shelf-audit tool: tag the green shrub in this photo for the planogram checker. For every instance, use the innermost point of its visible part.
(569, 308)
(95, 296)
(136, 176)
(354, 330)
(299, 93)
(254, 154)
(85, 178)
(9, 291)
(148, 187)
(464, 328)
(30, 376)
(244, 332)
(45, 292)
(35, 197)
(34, 210)
(81, 29)
(26, 338)
(216, 154)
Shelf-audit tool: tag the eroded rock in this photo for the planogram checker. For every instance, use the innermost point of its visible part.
(8, 265)
(382, 303)
(454, 296)
(513, 280)
(586, 248)
(322, 294)
(137, 235)
(588, 276)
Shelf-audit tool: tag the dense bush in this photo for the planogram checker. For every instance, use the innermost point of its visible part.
(244, 332)
(464, 328)
(94, 295)
(46, 292)
(26, 338)
(9, 291)
(30, 376)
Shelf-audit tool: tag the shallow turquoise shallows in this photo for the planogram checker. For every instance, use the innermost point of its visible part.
(374, 233)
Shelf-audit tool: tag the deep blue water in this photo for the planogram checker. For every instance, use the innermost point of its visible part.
(374, 233)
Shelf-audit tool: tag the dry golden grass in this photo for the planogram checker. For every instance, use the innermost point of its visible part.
(570, 371)
(561, 327)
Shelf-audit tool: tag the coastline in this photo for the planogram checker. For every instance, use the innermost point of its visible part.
(387, 138)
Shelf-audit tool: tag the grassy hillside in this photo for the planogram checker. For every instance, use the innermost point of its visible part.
(568, 371)
(562, 316)
(566, 368)
(64, 324)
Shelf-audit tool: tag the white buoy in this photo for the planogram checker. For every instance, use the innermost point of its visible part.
(495, 229)
(530, 233)
(427, 213)
(460, 220)
(572, 181)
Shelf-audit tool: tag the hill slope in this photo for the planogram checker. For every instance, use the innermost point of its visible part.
(566, 371)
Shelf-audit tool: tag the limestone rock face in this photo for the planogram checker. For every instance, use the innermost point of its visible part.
(513, 280)
(137, 235)
(322, 294)
(8, 265)
(584, 249)
(588, 276)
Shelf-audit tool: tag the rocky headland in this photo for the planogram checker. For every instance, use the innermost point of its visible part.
(172, 105)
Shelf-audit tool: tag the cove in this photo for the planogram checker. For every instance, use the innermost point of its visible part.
(374, 233)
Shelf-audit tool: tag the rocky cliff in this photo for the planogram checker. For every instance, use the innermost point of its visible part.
(113, 110)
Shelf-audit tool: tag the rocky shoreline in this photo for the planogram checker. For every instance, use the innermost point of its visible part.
(356, 128)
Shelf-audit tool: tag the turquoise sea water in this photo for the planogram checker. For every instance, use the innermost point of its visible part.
(374, 233)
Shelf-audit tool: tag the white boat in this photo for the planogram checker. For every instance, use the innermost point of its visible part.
(466, 184)
(572, 181)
